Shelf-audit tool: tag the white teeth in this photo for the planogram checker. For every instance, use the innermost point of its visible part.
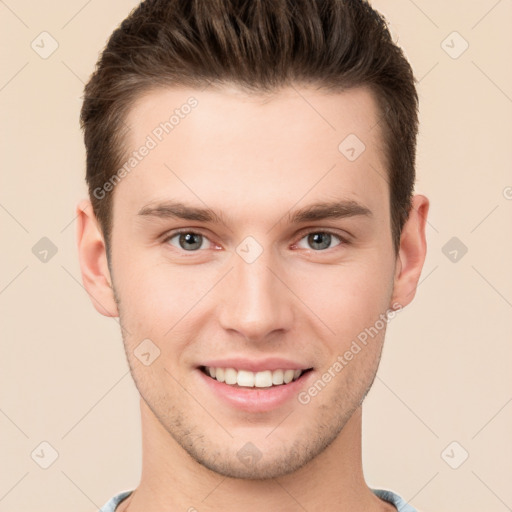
(278, 377)
(230, 375)
(288, 376)
(219, 374)
(263, 379)
(245, 378)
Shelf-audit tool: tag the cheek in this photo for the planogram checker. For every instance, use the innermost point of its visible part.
(347, 297)
(156, 296)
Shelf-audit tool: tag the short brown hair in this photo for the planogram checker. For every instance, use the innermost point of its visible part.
(260, 46)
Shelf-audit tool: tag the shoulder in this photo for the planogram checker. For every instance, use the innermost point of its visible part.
(400, 504)
(112, 504)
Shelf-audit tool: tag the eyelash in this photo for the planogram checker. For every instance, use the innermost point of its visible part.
(343, 241)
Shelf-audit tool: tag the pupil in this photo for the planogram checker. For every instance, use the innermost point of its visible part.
(320, 240)
(190, 241)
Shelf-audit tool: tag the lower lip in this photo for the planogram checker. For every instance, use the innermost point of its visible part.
(256, 399)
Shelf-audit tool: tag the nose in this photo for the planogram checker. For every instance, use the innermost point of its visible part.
(256, 302)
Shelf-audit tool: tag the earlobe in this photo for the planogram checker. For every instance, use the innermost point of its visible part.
(93, 260)
(412, 252)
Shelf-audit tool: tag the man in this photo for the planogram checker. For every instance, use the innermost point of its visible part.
(252, 223)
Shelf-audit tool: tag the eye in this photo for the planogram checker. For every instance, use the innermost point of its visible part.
(321, 240)
(192, 241)
(187, 240)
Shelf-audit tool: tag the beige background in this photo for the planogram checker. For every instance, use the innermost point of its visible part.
(445, 373)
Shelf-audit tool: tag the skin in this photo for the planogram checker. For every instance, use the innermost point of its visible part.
(253, 159)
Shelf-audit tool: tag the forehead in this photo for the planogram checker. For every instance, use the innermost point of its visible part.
(299, 110)
(228, 147)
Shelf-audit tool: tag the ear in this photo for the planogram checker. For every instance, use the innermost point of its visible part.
(412, 252)
(93, 260)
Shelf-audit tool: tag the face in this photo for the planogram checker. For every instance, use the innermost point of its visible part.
(245, 238)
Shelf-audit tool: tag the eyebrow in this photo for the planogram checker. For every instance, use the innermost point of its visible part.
(318, 211)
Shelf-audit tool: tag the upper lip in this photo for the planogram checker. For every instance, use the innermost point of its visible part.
(252, 365)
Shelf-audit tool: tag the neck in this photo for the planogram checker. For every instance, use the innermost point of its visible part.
(171, 480)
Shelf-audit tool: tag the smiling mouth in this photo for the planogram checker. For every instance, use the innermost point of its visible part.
(247, 379)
